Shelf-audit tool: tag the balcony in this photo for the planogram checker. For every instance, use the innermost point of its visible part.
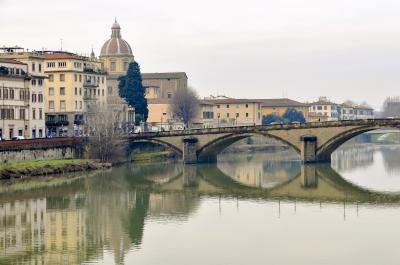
(89, 83)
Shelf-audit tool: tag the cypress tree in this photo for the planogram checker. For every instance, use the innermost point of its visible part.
(132, 90)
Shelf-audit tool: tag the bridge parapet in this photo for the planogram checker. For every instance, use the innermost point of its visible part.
(314, 141)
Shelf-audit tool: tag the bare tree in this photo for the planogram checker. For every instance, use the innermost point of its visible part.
(185, 105)
(104, 134)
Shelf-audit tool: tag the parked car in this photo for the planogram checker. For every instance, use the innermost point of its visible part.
(276, 123)
(18, 137)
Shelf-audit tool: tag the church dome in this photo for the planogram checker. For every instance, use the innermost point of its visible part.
(116, 45)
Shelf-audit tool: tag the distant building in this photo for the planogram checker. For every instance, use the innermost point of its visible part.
(74, 84)
(279, 106)
(363, 112)
(35, 127)
(163, 85)
(234, 112)
(324, 110)
(116, 55)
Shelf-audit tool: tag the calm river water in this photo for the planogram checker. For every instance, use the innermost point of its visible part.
(246, 209)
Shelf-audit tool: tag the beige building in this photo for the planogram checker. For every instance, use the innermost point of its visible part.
(324, 110)
(235, 112)
(14, 96)
(74, 83)
(116, 54)
(163, 85)
(35, 69)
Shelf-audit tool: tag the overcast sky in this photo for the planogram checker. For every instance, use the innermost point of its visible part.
(301, 49)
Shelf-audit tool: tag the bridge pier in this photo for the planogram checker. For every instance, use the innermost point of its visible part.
(308, 151)
(189, 154)
(190, 176)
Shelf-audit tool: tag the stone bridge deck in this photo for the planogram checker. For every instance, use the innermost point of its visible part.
(314, 141)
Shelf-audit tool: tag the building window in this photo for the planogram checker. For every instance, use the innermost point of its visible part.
(34, 114)
(51, 65)
(62, 77)
(62, 91)
(62, 64)
(80, 91)
(325, 107)
(109, 90)
(51, 78)
(40, 82)
(237, 115)
(33, 67)
(126, 65)
(76, 91)
(102, 80)
(22, 114)
(247, 105)
(247, 114)
(40, 114)
(112, 66)
(33, 82)
(217, 106)
(40, 68)
(51, 91)
(11, 93)
(33, 98)
(40, 97)
(76, 77)
(80, 104)
(76, 104)
(169, 95)
(227, 106)
(62, 104)
(51, 104)
(319, 107)
(227, 115)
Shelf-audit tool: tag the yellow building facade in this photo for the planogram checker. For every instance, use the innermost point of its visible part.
(74, 83)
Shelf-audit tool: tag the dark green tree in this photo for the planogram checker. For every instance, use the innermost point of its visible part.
(132, 90)
(292, 115)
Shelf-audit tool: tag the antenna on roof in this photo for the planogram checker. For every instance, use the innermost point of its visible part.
(61, 44)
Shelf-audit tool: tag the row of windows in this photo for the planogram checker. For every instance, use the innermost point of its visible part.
(60, 64)
(33, 66)
(237, 115)
(237, 106)
(9, 114)
(37, 98)
(62, 104)
(91, 91)
(9, 93)
(113, 66)
(37, 114)
(323, 107)
(78, 77)
(39, 82)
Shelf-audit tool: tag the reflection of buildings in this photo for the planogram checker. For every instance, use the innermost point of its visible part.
(23, 228)
(257, 172)
(352, 156)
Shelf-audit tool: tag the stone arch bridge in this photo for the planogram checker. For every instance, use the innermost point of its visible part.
(315, 142)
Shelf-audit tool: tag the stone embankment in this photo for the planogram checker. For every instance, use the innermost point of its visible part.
(50, 169)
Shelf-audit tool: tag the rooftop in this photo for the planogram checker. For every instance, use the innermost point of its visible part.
(281, 102)
(172, 75)
(11, 61)
(231, 100)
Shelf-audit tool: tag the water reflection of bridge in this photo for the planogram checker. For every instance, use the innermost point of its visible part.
(74, 221)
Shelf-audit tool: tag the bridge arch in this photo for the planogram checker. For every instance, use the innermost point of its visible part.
(324, 152)
(158, 142)
(209, 152)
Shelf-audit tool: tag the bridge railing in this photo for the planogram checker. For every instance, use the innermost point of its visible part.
(286, 126)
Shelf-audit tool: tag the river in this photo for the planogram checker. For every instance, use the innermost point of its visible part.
(245, 209)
